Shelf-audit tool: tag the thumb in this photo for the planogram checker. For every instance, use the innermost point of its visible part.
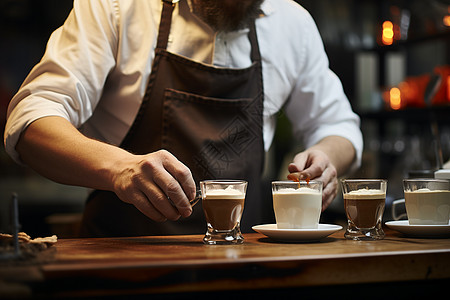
(292, 168)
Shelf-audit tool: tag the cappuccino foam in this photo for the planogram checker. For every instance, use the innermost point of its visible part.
(426, 190)
(228, 193)
(302, 190)
(365, 194)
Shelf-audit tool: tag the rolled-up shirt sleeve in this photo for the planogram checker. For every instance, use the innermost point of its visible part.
(68, 81)
(318, 106)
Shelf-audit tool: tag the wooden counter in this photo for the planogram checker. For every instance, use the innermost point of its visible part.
(175, 264)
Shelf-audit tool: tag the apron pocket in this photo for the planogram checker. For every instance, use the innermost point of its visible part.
(211, 136)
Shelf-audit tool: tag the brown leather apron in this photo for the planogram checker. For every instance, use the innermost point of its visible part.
(210, 118)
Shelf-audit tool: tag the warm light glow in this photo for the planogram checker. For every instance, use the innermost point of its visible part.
(388, 33)
(406, 91)
(448, 88)
(395, 99)
(446, 20)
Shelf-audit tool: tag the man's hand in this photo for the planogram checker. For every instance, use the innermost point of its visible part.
(158, 184)
(325, 161)
(315, 164)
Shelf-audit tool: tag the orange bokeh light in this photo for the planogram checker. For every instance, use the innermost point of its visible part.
(446, 20)
(395, 99)
(387, 37)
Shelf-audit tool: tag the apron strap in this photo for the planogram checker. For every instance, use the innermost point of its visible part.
(164, 25)
(255, 53)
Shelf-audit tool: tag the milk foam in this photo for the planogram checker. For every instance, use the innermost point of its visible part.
(302, 190)
(228, 193)
(426, 190)
(365, 194)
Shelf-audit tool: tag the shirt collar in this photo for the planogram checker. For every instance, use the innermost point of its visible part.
(267, 8)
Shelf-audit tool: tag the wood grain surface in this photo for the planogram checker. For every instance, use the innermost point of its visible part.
(178, 264)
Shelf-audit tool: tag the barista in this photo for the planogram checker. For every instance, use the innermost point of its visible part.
(140, 100)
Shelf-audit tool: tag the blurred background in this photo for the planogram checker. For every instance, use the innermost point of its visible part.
(393, 58)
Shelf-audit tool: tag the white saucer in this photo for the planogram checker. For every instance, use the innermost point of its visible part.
(404, 227)
(292, 235)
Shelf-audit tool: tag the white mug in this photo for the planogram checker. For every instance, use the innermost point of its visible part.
(427, 201)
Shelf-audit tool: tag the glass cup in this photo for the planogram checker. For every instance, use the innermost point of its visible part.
(427, 201)
(297, 205)
(223, 204)
(364, 201)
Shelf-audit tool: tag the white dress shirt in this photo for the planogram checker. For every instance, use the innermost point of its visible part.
(95, 70)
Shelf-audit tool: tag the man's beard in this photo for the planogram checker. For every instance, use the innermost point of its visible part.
(227, 15)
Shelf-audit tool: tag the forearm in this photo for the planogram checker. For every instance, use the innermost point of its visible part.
(58, 151)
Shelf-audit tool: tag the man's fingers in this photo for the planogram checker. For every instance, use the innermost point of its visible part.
(315, 164)
(183, 177)
(159, 201)
(175, 180)
(158, 184)
(329, 193)
(299, 163)
(293, 168)
(142, 203)
(297, 176)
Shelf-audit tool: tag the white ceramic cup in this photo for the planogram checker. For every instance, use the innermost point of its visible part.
(427, 201)
(297, 205)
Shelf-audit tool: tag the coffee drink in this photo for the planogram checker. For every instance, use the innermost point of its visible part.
(297, 208)
(428, 207)
(223, 208)
(364, 201)
(223, 204)
(364, 207)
